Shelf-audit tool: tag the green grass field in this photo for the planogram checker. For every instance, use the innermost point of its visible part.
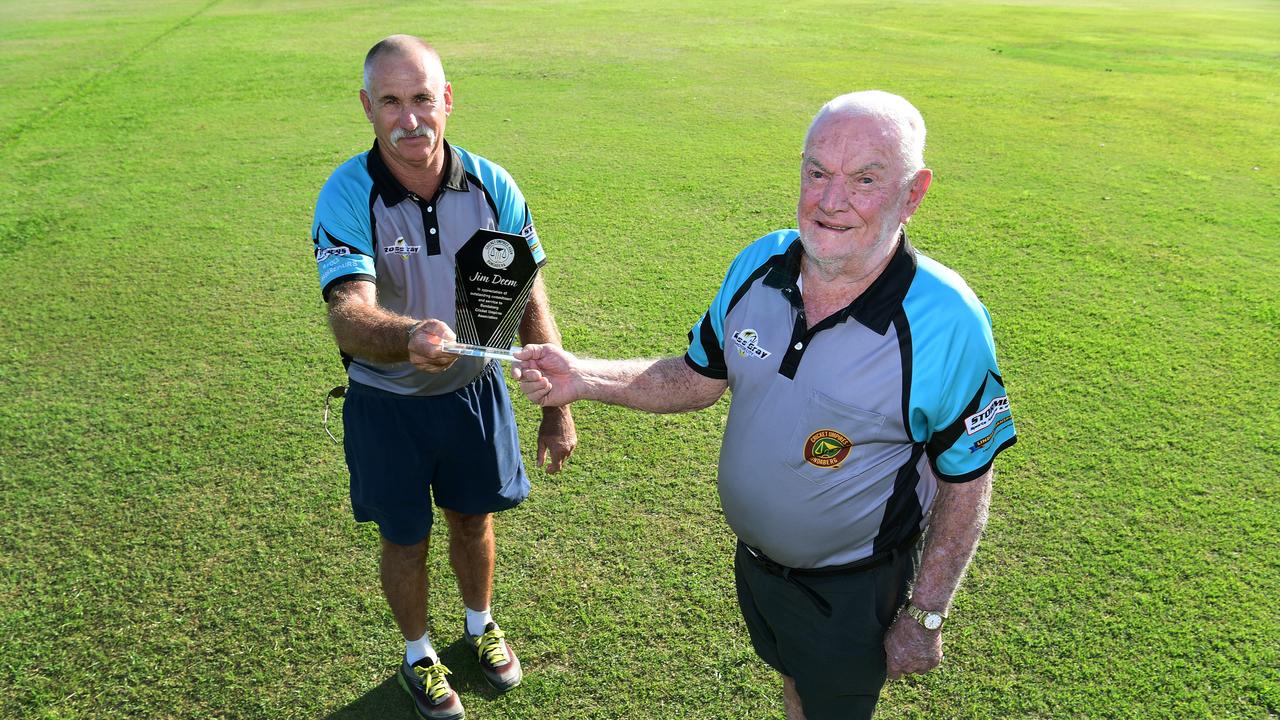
(176, 538)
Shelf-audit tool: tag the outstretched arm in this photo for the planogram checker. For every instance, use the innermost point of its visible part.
(550, 376)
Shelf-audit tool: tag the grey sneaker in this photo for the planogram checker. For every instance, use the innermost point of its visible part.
(498, 661)
(432, 696)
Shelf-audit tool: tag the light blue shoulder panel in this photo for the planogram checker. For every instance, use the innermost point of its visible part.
(513, 212)
(341, 229)
(743, 267)
(958, 405)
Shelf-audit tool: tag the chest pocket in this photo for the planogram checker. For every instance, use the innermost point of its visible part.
(834, 441)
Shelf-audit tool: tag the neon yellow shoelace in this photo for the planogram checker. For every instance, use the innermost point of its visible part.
(433, 679)
(491, 649)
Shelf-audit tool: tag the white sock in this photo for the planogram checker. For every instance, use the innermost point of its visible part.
(478, 620)
(415, 650)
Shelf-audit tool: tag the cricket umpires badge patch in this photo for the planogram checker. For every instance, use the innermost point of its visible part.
(498, 253)
(827, 448)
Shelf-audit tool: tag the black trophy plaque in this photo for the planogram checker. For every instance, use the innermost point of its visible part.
(495, 272)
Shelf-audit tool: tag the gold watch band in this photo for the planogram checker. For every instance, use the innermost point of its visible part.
(928, 619)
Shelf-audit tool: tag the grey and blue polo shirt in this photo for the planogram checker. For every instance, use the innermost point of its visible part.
(368, 226)
(838, 435)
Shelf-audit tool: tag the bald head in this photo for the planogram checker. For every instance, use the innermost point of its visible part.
(398, 46)
(894, 114)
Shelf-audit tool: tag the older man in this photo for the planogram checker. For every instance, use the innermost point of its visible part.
(420, 422)
(867, 407)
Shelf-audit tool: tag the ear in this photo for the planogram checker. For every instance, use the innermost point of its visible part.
(915, 192)
(367, 103)
(448, 99)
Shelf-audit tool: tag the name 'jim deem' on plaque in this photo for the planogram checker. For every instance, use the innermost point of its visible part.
(495, 274)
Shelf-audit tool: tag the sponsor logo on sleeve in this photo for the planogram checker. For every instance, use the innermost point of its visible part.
(986, 439)
(401, 248)
(827, 448)
(323, 254)
(748, 342)
(531, 236)
(984, 417)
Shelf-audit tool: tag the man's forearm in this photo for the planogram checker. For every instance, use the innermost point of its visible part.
(658, 386)
(955, 525)
(363, 328)
(538, 324)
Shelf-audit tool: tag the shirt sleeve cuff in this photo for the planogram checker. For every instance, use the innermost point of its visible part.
(344, 278)
(972, 474)
(713, 373)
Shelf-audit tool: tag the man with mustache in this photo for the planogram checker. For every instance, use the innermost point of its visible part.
(420, 424)
(867, 408)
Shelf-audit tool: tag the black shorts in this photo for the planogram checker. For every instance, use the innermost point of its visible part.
(837, 662)
(460, 447)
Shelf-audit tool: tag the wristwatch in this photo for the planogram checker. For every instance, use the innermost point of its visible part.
(928, 619)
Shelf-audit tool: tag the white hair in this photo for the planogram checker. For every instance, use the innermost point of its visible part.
(895, 110)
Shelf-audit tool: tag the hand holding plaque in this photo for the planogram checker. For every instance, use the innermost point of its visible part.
(495, 274)
(480, 351)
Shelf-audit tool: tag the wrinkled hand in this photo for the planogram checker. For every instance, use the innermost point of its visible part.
(546, 374)
(557, 437)
(424, 347)
(909, 648)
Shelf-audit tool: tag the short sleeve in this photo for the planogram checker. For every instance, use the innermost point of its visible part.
(966, 449)
(959, 407)
(527, 229)
(706, 340)
(964, 409)
(342, 229)
(508, 202)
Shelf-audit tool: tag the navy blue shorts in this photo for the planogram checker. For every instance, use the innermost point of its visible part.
(460, 447)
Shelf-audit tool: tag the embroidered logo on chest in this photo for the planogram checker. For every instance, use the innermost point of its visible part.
(748, 342)
(827, 448)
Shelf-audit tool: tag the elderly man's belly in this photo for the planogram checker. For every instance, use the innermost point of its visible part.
(801, 508)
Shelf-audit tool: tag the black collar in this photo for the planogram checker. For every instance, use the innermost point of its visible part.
(877, 305)
(392, 192)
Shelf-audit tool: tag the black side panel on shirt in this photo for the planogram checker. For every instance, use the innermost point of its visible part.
(903, 330)
(373, 220)
(902, 513)
(497, 219)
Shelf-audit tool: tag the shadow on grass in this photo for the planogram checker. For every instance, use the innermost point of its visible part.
(388, 699)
